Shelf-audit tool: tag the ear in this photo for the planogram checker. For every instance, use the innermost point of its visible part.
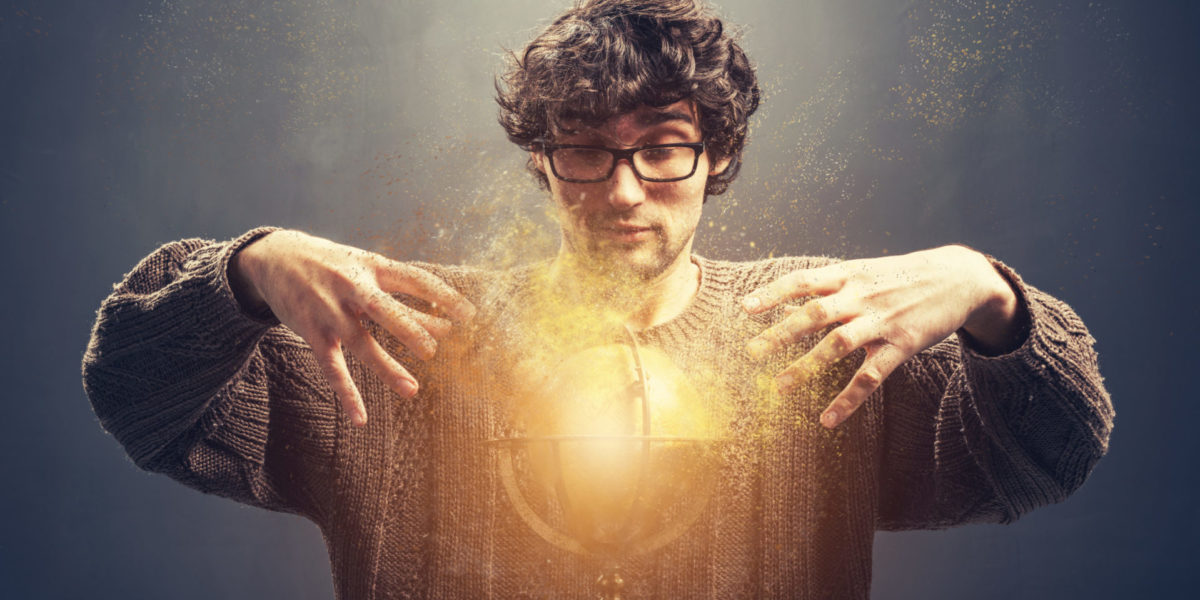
(719, 166)
(539, 160)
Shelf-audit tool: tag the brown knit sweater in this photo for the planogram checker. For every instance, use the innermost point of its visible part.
(411, 506)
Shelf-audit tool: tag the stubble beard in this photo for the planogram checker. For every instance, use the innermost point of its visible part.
(627, 264)
(618, 275)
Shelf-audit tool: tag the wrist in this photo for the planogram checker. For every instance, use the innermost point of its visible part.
(998, 323)
(242, 275)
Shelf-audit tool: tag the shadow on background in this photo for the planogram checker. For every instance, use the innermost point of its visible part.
(1058, 136)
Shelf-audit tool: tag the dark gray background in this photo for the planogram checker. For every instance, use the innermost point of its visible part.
(1057, 135)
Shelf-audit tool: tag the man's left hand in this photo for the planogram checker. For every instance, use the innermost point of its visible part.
(893, 307)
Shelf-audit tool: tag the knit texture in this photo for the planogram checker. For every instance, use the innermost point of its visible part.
(411, 505)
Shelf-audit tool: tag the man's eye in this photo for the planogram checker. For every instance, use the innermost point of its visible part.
(593, 157)
(659, 154)
(583, 156)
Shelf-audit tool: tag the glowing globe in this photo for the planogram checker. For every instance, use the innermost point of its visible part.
(622, 445)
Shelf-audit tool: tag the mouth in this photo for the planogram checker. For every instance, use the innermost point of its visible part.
(626, 232)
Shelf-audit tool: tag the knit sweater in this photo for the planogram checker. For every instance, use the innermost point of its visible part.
(411, 504)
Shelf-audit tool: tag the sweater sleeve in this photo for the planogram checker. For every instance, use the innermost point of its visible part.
(193, 387)
(974, 438)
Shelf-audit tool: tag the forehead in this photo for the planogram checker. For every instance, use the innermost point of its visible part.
(681, 115)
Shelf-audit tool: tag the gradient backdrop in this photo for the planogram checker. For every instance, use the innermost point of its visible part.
(1059, 135)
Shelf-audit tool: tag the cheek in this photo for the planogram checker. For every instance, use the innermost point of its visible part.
(568, 203)
(687, 218)
(690, 219)
(691, 202)
(682, 218)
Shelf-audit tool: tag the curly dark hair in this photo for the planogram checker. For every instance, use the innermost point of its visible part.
(605, 57)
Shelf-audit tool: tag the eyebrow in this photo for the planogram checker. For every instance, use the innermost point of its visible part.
(644, 120)
(655, 118)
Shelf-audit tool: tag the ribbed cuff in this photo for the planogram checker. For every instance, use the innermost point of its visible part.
(265, 316)
(1018, 287)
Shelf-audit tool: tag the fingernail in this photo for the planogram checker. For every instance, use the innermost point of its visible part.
(360, 419)
(467, 313)
(407, 387)
(756, 349)
(751, 303)
(830, 418)
(440, 328)
(785, 381)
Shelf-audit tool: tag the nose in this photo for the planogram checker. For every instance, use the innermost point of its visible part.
(625, 189)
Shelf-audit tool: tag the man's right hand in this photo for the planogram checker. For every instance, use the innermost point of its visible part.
(322, 291)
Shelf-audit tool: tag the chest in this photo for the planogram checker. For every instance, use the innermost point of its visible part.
(788, 507)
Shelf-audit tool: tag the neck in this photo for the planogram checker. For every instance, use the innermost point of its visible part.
(642, 303)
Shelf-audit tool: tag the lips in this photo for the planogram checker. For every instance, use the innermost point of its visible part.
(627, 232)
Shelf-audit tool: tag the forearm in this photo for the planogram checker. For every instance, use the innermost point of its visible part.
(973, 437)
(241, 281)
(1040, 413)
(165, 342)
(1000, 323)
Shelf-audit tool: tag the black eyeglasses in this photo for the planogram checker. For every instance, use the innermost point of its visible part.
(659, 163)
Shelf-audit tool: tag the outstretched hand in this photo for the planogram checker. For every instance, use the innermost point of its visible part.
(322, 291)
(893, 307)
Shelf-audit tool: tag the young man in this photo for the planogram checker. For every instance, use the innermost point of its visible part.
(916, 391)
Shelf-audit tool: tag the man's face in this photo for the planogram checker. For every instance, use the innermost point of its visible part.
(626, 225)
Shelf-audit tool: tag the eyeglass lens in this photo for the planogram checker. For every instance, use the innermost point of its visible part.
(595, 164)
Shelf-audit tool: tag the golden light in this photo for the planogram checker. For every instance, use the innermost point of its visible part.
(622, 446)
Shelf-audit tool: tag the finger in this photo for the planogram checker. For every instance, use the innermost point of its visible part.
(813, 316)
(398, 277)
(836, 344)
(401, 321)
(797, 284)
(435, 325)
(878, 365)
(368, 350)
(333, 365)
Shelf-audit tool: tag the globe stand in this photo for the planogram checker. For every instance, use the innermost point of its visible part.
(629, 535)
(611, 584)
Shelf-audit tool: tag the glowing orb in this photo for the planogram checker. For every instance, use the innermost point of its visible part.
(621, 442)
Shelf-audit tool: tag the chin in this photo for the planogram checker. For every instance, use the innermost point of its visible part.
(634, 267)
(624, 263)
